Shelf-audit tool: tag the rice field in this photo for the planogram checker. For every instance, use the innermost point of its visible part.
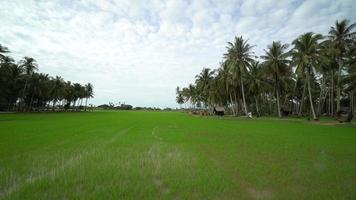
(171, 155)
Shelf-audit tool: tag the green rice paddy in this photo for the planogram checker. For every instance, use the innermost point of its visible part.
(171, 155)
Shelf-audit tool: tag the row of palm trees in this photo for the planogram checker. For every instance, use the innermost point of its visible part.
(315, 70)
(23, 89)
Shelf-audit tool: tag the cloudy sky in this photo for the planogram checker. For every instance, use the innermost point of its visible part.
(137, 51)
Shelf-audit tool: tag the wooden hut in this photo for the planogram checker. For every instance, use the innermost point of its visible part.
(218, 110)
(344, 116)
(285, 111)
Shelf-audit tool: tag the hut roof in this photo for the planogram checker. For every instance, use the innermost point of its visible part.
(219, 109)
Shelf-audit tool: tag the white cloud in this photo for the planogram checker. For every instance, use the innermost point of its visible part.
(139, 51)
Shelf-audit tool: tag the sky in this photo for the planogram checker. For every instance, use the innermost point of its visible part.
(138, 52)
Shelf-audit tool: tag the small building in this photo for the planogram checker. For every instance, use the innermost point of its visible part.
(343, 115)
(218, 110)
(285, 111)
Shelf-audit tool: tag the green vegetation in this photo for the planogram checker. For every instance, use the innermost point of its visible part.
(299, 80)
(23, 89)
(170, 155)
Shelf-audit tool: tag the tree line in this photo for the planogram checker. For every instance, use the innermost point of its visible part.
(22, 88)
(314, 75)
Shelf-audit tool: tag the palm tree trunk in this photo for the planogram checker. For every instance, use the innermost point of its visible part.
(31, 101)
(329, 102)
(269, 105)
(293, 93)
(338, 87)
(324, 105)
(277, 93)
(278, 106)
(350, 101)
(236, 104)
(257, 109)
(321, 95)
(353, 102)
(23, 94)
(243, 95)
(86, 103)
(310, 98)
(54, 104)
(332, 93)
(232, 106)
(302, 100)
(9, 104)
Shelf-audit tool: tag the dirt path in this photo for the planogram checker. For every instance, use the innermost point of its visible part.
(154, 154)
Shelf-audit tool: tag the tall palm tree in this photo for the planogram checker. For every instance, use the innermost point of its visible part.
(341, 35)
(306, 55)
(88, 93)
(10, 82)
(57, 90)
(77, 93)
(225, 79)
(30, 66)
(239, 57)
(276, 64)
(203, 83)
(192, 94)
(256, 83)
(179, 97)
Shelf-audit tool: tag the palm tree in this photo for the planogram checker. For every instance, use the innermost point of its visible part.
(88, 93)
(20, 82)
(306, 56)
(192, 95)
(77, 93)
(3, 50)
(276, 64)
(179, 97)
(57, 90)
(203, 83)
(10, 82)
(239, 57)
(256, 83)
(342, 35)
(225, 80)
(30, 65)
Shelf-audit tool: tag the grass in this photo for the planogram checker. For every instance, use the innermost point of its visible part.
(162, 155)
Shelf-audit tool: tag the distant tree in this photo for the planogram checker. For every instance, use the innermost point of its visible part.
(342, 35)
(179, 97)
(88, 93)
(239, 57)
(30, 66)
(306, 56)
(276, 64)
(203, 84)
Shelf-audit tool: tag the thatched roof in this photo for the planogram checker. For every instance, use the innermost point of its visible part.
(219, 109)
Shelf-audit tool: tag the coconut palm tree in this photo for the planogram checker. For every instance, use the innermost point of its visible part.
(203, 84)
(239, 57)
(342, 36)
(88, 93)
(30, 66)
(57, 90)
(10, 82)
(179, 97)
(276, 65)
(226, 84)
(256, 83)
(306, 55)
(3, 50)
